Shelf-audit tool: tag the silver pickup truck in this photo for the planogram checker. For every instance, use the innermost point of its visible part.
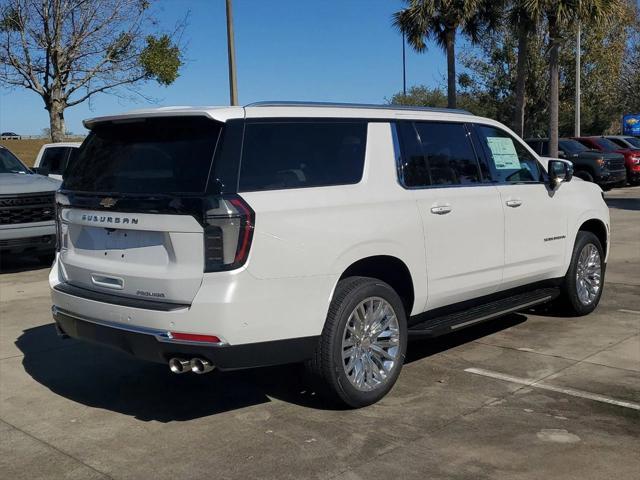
(27, 209)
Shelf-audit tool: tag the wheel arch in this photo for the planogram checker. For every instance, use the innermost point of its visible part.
(390, 270)
(599, 229)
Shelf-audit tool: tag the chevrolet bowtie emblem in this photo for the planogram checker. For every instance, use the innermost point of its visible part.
(108, 202)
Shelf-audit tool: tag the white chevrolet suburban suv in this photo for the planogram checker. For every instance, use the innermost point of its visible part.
(238, 237)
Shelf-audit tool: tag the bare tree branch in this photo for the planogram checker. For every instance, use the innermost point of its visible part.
(67, 51)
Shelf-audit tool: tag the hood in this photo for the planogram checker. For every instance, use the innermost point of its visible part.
(612, 155)
(17, 183)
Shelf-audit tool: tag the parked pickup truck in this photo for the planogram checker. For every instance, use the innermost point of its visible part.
(631, 155)
(27, 209)
(632, 160)
(606, 169)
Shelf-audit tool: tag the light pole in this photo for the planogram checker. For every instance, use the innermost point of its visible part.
(578, 72)
(231, 50)
(404, 68)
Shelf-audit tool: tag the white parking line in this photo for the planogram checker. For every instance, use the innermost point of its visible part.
(623, 310)
(529, 382)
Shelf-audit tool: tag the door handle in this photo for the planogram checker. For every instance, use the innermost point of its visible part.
(513, 203)
(441, 209)
(107, 282)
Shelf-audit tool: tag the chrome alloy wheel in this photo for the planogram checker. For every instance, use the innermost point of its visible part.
(371, 344)
(588, 274)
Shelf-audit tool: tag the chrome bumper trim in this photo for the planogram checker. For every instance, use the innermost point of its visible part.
(160, 335)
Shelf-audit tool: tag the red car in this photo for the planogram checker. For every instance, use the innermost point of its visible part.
(631, 156)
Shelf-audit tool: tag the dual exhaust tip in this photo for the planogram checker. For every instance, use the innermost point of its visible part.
(195, 365)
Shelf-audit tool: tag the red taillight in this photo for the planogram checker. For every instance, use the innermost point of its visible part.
(194, 337)
(227, 234)
(244, 242)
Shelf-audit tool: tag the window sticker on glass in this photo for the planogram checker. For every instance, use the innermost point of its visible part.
(504, 153)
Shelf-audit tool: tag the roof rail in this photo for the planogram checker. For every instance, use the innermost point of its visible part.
(355, 105)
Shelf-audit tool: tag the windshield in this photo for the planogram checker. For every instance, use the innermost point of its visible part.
(606, 144)
(633, 141)
(9, 163)
(572, 146)
(153, 155)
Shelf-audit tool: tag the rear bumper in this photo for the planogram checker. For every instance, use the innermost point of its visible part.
(261, 322)
(157, 346)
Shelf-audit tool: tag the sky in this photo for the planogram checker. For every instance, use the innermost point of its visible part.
(316, 50)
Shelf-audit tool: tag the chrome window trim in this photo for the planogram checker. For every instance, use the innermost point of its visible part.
(163, 336)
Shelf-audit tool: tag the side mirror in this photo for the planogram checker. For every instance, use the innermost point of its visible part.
(41, 170)
(562, 154)
(560, 171)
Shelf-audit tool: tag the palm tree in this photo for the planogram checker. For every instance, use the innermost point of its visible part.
(560, 15)
(526, 25)
(440, 20)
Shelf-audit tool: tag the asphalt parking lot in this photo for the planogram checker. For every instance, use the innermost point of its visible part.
(528, 396)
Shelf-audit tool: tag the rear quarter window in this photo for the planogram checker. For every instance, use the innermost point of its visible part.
(289, 154)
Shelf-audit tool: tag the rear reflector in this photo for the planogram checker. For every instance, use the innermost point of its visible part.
(194, 337)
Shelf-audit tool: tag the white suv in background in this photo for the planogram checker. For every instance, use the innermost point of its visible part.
(238, 237)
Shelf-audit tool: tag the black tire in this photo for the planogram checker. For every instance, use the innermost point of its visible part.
(327, 367)
(606, 188)
(570, 298)
(584, 175)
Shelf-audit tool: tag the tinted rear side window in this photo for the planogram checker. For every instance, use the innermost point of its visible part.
(282, 155)
(156, 155)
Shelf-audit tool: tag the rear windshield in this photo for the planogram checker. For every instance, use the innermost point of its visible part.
(299, 154)
(154, 155)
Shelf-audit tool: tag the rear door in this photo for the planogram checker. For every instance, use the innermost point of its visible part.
(132, 208)
(461, 212)
(535, 222)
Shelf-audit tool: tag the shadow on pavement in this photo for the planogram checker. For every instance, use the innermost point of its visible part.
(103, 378)
(624, 203)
